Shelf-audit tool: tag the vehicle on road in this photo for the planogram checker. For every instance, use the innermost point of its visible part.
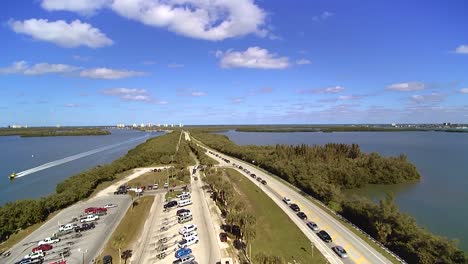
(253, 175)
(295, 207)
(84, 227)
(35, 255)
(264, 182)
(48, 240)
(188, 242)
(89, 218)
(30, 261)
(43, 248)
(166, 185)
(185, 260)
(187, 229)
(340, 251)
(324, 236)
(155, 186)
(223, 237)
(287, 201)
(182, 252)
(170, 204)
(110, 206)
(184, 219)
(313, 226)
(302, 215)
(189, 235)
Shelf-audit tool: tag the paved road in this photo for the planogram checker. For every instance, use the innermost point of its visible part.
(359, 251)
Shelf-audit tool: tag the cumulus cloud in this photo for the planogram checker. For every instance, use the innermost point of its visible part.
(406, 86)
(325, 90)
(129, 94)
(22, 67)
(464, 90)
(203, 19)
(109, 74)
(189, 92)
(68, 35)
(253, 57)
(303, 62)
(462, 49)
(427, 98)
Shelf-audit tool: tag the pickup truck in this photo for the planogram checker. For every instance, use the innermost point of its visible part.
(48, 240)
(89, 218)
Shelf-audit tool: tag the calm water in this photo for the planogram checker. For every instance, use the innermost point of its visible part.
(20, 154)
(439, 201)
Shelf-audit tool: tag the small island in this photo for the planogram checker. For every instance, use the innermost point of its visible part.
(53, 131)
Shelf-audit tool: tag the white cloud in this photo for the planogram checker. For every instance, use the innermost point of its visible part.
(326, 90)
(303, 62)
(71, 105)
(462, 49)
(68, 35)
(22, 67)
(80, 6)
(323, 16)
(253, 57)
(203, 19)
(406, 86)
(348, 97)
(427, 98)
(464, 90)
(109, 74)
(128, 94)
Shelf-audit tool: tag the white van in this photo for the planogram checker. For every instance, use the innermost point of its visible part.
(184, 203)
(188, 235)
(187, 242)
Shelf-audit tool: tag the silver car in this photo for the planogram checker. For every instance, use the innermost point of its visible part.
(340, 251)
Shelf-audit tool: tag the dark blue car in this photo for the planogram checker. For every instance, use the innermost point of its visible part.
(183, 252)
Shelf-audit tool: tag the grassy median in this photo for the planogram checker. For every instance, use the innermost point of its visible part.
(276, 233)
(129, 229)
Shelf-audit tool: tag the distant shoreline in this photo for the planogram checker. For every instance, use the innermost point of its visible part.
(343, 129)
(53, 132)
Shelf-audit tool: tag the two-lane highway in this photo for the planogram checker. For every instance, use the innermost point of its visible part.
(359, 251)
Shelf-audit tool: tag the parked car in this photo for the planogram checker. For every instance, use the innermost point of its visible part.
(340, 251)
(110, 206)
(302, 215)
(48, 240)
(166, 185)
(155, 186)
(253, 175)
(170, 204)
(67, 227)
(35, 255)
(188, 242)
(84, 227)
(313, 226)
(89, 218)
(181, 211)
(223, 237)
(324, 236)
(185, 260)
(295, 207)
(187, 229)
(286, 200)
(264, 182)
(182, 252)
(43, 248)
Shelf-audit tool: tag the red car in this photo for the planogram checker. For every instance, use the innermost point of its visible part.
(43, 247)
(95, 210)
(90, 210)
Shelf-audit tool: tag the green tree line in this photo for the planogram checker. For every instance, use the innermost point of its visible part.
(21, 214)
(52, 131)
(324, 171)
(201, 155)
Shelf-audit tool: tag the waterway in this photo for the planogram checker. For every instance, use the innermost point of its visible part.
(439, 202)
(42, 162)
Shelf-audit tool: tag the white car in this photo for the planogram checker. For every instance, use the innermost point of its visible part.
(67, 227)
(183, 194)
(110, 205)
(187, 242)
(155, 186)
(287, 201)
(48, 240)
(166, 185)
(89, 218)
(35, 255)
(187, 229)
(189, 234)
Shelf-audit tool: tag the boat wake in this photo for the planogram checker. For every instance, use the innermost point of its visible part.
(74, 157)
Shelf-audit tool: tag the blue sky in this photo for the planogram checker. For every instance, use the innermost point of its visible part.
(100, 62)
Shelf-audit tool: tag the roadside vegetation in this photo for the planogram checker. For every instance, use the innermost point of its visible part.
(18, 215)
(53, 132)
(176, 177)
(128, 230)
(201, 155)
(266, 233)
(324, 171)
